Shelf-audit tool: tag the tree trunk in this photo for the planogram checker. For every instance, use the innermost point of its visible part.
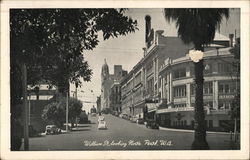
(200, 142)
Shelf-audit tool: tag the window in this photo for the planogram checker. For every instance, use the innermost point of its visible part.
(137, 79)
(225, 104)
(227, 87)
(185, 122)
(208, 68)
(207, 88)
(179, 73)
(180, 91)
(224, 68)
(150, 86)
(210, 123)
(180, 105)
(209, 104)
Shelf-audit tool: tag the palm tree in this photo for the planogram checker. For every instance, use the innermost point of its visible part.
(197, 26)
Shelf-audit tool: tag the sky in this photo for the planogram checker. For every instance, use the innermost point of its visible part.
(127, 50)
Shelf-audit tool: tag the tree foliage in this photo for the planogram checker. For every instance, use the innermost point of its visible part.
(196, 26)
(55, 112)
(51, 43)
(75, 109)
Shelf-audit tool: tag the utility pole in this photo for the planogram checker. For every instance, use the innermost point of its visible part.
(67, 110)
(26, 109)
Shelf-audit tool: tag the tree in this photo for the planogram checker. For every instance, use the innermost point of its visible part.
(197, 26)
(51, 42)
(53, 113)
(75, 109)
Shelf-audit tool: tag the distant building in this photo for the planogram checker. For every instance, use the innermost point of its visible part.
(115, 97)
(98, 104)
(107, 81)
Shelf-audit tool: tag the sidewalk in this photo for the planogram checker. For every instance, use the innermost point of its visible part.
(185, 130)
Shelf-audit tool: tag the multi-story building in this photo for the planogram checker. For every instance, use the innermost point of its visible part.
(161, 85)
(107, 82)
(177, 91)
(140, 88)
(115, 97)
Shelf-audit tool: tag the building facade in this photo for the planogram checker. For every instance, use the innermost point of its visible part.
(161, 85)
(107, 81)
(140, 89)
(98, 104)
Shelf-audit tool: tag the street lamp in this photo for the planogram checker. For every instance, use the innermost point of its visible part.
(195, 55)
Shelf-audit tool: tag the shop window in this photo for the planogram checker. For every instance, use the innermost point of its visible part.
(180, 91)
(209, 104)
(185, 122)
(225, 104)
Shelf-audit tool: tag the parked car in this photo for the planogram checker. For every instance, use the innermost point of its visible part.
(133, 119)
(102, 125)
(64, 127)
(152, 124)
(140, 121)
(124, 116)
(52, 129)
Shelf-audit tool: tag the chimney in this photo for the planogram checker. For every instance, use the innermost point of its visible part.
(231, 37)
(147, 27)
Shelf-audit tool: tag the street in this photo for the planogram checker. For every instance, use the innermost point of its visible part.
(122, 135)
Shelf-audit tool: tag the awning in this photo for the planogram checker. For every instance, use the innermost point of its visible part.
(151, 107)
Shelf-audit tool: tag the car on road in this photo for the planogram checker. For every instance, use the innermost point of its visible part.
(102, 125)
(152, 124)
(133, 119)
(124, 116)
(52, 129)
(101, 118)
(140, 121)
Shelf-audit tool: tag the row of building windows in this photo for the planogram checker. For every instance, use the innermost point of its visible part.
(180, 105)
(224, 88)
(207, 88)
(208, 69)
(180, 123)
(227, 87)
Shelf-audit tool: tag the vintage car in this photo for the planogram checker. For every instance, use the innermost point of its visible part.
(133, 119)
(152, 124)
(101, 118)
(140, 121)
(102, 125)
(52, 129)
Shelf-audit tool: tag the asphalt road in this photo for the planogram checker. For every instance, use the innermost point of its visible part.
(123, 135)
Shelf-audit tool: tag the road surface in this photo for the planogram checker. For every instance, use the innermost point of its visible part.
(123, 135)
